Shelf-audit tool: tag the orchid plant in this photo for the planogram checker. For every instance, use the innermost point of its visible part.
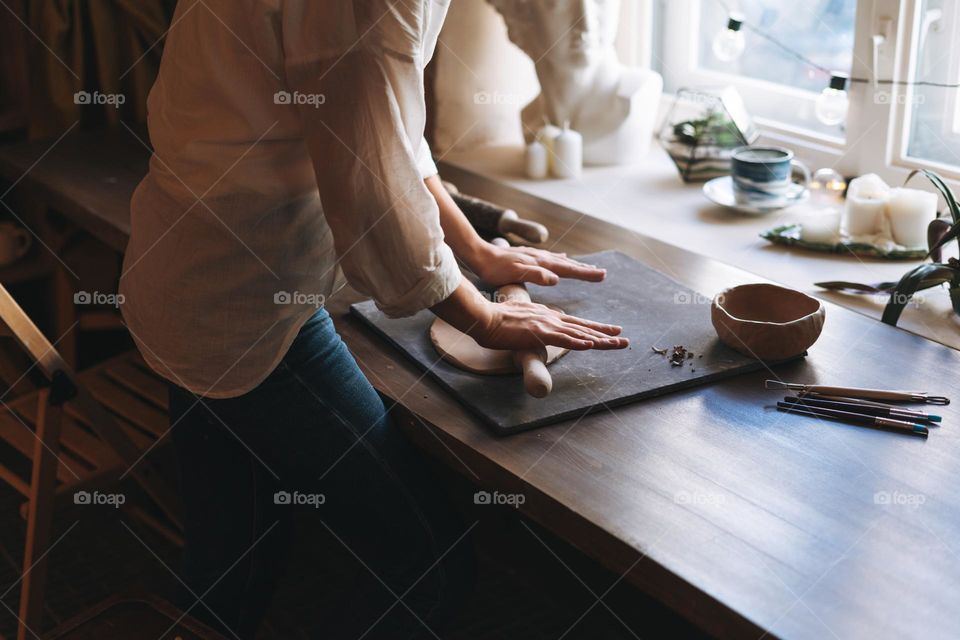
(927, 275)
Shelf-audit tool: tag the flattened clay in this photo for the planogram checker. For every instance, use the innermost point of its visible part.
(463, 352)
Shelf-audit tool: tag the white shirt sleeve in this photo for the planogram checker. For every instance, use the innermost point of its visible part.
(425, 163)
(355, 72)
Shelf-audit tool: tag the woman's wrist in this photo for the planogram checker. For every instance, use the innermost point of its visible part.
(476, 253)
(467, 310)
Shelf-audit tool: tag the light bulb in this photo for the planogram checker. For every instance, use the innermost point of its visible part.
(827, 187)
(832, 103)
(729, 43)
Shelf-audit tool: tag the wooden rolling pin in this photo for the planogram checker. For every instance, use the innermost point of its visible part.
(490, 219)
(533, 363)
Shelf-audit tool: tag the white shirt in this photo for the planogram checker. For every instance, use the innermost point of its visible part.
(288, 140)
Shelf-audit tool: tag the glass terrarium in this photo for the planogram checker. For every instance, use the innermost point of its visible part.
(703, 128)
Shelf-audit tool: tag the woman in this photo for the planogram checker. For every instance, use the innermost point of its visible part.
(288, 142)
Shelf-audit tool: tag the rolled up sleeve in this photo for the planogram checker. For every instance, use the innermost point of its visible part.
(355, 74)
(425, 162)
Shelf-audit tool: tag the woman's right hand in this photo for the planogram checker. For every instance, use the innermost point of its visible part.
(523, 325)
(527, 325)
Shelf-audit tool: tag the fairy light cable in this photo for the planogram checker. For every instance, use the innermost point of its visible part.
(828, 72)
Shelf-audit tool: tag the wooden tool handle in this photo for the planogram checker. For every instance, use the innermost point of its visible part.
(529, 230)
(856, 392)
(489, 218)
(533, 363)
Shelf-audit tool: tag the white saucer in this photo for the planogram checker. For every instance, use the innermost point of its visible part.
(720, 191)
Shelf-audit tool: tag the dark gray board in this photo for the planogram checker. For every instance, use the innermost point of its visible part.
(651, 308)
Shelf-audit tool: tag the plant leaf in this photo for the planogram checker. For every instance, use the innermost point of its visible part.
(935, 231)
(943, 188)
(952, 233)
(854, 287)
(912, 281)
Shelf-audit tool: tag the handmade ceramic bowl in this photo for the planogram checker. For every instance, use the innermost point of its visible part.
(767, 322)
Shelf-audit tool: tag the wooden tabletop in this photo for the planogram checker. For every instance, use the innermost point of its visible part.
(744, 520)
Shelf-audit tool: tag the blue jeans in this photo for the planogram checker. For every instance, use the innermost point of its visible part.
(314, 434)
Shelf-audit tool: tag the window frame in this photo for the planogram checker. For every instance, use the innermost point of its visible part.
(878, 120)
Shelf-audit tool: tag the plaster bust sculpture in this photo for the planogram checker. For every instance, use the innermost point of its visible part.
(571, 43)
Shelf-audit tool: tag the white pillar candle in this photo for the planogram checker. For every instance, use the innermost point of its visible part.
(537, 161)
(822, 225)
(910, 212)
(568, 152)
(866, 204)
(546, 136)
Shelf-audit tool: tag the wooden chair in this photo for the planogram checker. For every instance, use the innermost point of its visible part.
(81, 431)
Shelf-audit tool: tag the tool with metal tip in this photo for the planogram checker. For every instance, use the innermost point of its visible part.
(857, 392)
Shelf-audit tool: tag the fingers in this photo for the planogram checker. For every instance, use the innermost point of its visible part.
(599, 340)
(565, 267)
(609, 329)
(537, 275)
(566, 341)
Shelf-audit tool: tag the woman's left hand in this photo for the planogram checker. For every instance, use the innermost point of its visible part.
(506, 265)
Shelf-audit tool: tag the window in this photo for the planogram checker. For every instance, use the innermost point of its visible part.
(821, 31)
(901, 55)
(934, 111)
(775, 84)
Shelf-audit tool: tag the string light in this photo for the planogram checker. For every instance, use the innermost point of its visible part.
(729, 43)
(832, 103)
(810, 63)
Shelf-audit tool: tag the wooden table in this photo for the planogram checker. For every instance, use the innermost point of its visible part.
(744, 520)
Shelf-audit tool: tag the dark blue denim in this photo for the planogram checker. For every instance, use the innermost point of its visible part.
(315, 432)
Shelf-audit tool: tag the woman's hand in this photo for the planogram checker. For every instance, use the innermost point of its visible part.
(523, 325)
(528, 325)
(506, 265)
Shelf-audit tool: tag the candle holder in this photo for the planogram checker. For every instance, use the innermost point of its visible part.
(940, 232)
(703, 128)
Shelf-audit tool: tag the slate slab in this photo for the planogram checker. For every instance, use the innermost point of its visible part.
(653, 310)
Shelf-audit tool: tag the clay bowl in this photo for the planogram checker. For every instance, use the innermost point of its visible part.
(767, 322)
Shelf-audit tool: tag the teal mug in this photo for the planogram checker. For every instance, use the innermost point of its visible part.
(763, 174)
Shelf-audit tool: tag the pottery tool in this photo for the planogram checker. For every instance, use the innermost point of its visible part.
(490, 219)
(857, 392)
(877, 409)
(860, 419)
(871, 403)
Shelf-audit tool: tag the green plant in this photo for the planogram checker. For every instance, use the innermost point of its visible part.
(925, 276)
(714, 128)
